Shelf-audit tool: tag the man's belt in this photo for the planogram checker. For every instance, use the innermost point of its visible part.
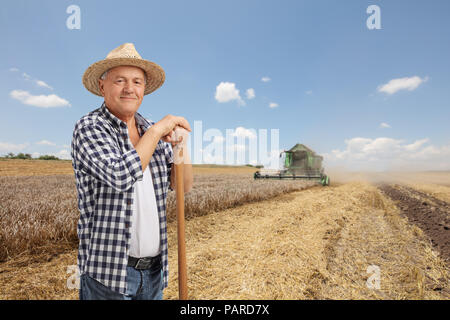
(144, 263)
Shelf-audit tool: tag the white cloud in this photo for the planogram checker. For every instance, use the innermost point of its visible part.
(210, 158)
(416, 145)
(243, 132)
(223, 151)
(386, 153)
(309, 92)
(384, 125)
(42, 101)
(226, 92)
(273, 105)
(273, 160)
(41, 83)
(250, 93)
(240, 146)
(46, 143)
(27, 77)
(63, 154)
(237, 147)
(265, 79)
(406, 83)
(6, 147)
(218, 139)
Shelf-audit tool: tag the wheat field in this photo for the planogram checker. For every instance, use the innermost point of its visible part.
(245, 239)
(38, 213)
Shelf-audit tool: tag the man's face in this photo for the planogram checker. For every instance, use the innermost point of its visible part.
(123, 90)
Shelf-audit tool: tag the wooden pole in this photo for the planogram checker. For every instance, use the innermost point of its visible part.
(182, 271)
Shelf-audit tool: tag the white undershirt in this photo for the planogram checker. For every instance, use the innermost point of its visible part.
(145, 238)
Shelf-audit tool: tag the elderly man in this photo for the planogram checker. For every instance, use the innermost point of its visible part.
(123, 167)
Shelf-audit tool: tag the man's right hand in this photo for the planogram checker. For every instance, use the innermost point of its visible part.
(160, 130)
(167, 125)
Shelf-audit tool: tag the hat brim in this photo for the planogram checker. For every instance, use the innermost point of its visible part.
(155, 74)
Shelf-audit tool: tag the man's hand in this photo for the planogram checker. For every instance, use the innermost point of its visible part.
(177, 136)
(179, 139)
(162, 129)
(166, 126)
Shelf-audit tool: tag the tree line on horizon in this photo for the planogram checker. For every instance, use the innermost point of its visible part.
(27, 156)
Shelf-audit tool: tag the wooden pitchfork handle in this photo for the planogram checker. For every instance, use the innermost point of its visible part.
(179, 177)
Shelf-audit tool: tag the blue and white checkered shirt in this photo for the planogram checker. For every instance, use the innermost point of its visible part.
(106, 167)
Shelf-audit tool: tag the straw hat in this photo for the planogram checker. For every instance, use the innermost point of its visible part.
(124, 55)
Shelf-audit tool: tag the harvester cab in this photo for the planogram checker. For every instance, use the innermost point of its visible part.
(300, 163)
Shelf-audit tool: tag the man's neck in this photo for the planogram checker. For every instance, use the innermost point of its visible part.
(131, 124)
(129, 121)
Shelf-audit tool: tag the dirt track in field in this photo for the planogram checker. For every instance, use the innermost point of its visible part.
(425, 211)
(318, 243)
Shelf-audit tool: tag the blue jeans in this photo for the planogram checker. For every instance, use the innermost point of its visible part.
(141, 285)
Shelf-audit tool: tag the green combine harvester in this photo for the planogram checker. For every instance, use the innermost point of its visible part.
(301, 163)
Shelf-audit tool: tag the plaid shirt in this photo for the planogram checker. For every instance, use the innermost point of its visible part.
(106, 166)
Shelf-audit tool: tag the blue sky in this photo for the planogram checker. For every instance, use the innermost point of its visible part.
(365, 99)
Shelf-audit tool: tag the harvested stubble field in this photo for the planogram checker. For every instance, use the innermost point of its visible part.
(246, 242)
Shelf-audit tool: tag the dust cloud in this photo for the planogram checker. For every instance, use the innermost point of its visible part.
(340, 175)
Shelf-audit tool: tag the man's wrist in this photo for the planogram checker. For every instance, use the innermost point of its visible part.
(154, 131)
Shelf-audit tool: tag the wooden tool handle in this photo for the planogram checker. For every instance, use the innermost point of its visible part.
(182, 271)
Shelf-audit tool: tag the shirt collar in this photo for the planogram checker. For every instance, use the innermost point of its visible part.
(141, 121)
(143, 124)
